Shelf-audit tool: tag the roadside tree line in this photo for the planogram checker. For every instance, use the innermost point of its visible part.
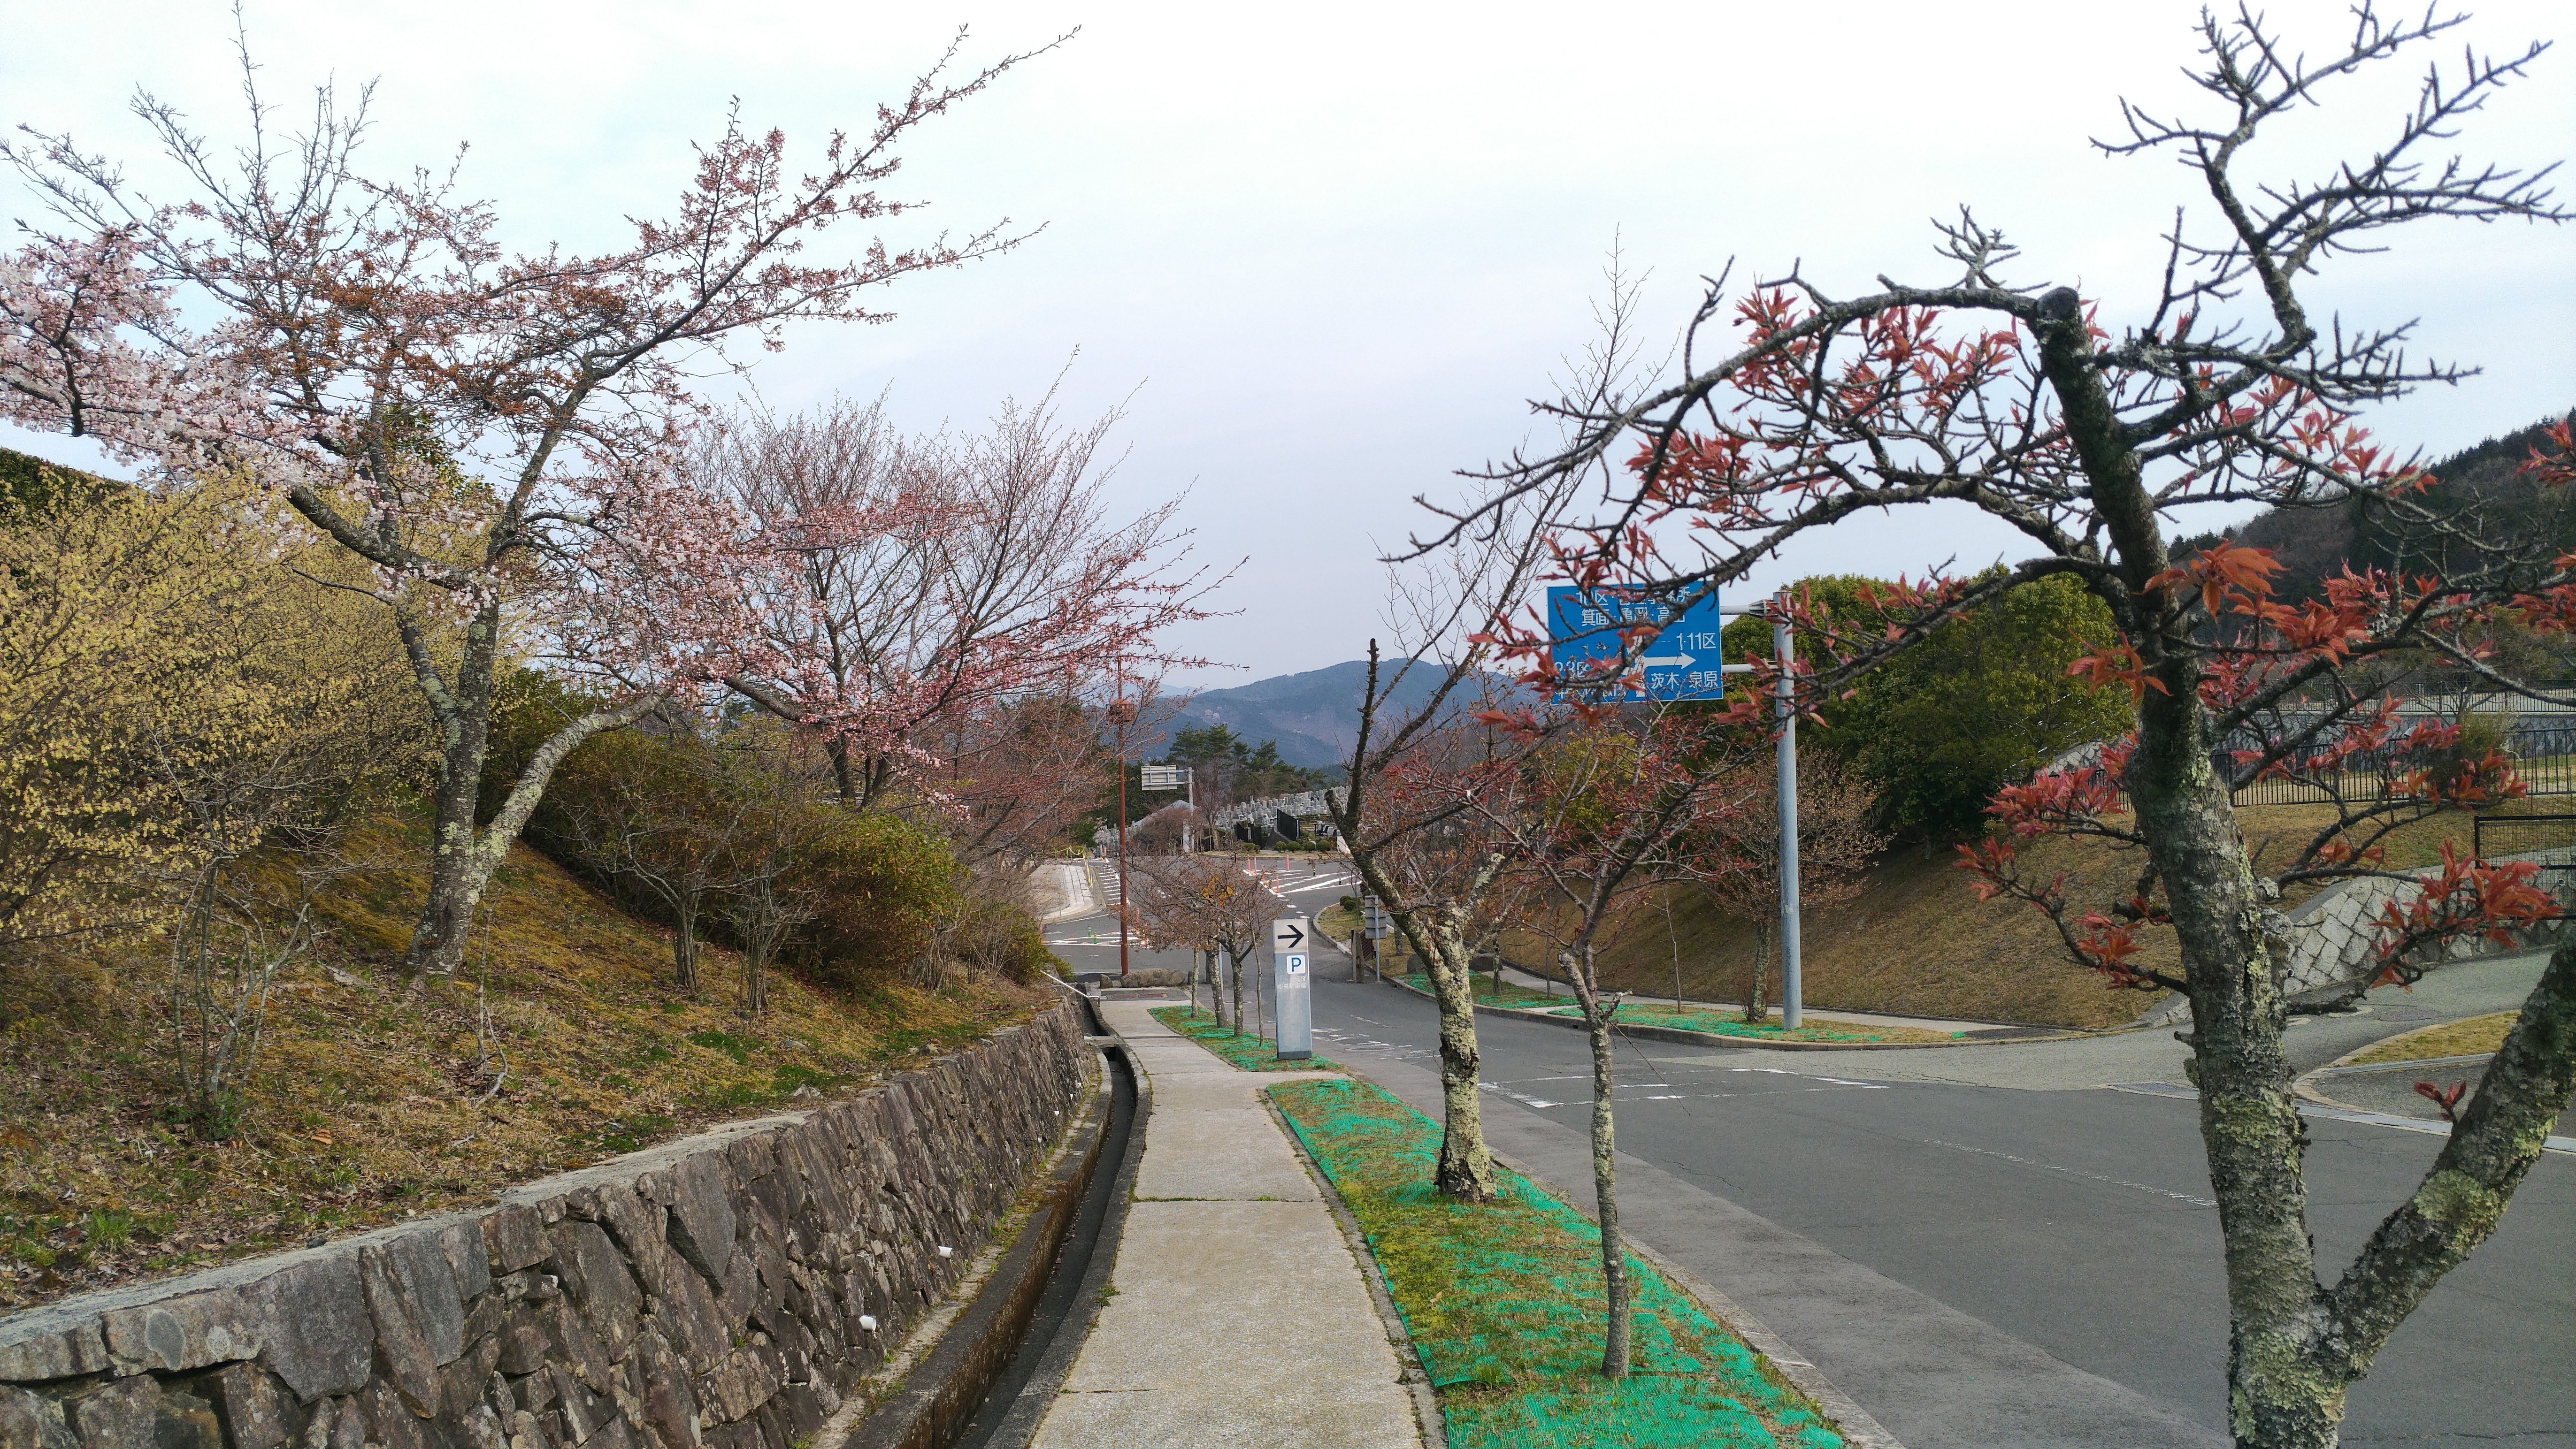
(2097, 431)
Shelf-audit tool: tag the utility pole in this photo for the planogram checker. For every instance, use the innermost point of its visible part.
(1122, 713)
(1790, 994)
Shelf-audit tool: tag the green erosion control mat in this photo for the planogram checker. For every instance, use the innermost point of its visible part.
(1504, 1304)
(1693, 1018)
(1252, 1053)
(1723, 1023)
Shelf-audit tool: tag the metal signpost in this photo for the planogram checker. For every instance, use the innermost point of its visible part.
(1375, 926)
(1292, 987)
(1182, 778)
(1584, 628)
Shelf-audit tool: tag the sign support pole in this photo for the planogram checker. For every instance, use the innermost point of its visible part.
(1790, 985)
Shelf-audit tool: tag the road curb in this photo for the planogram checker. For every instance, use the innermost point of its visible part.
(1684, 1037)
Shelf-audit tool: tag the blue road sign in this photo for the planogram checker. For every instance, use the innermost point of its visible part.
(1683, 662)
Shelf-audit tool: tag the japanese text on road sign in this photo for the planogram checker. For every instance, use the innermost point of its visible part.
(1584, 627)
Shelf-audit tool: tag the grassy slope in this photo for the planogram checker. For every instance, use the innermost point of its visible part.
(1918, 941)
(370, 1103)
(2451, 1039)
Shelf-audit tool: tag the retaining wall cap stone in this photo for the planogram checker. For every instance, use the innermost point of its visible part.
(182, 1333)
(569, 1185)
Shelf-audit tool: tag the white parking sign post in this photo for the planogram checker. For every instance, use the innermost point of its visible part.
(1291, 987)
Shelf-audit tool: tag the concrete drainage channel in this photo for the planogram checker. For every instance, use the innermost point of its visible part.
(988, 1380)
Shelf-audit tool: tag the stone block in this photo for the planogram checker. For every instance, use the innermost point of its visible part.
(670, 1409)
(136, 1411)
(686, 1313)
(467, 1378)
(391, 1421)
(597, 1282)
(428, 1278)
(579, 1407)
(524, 1341)
(33, 1422)
(402, 1351)
(514, 1237)
(581, 1349)
(468, 1260)
(187, 1332)
(636, 1227)
(702, 1221)
(318, 1332)
(257, 1411)
(40, 1347)
(484, 1317)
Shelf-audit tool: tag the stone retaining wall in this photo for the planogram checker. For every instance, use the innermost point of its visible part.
(2335, 935)
(723, 1290)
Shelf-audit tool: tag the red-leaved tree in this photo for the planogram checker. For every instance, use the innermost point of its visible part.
(1592, 821)
(2095, 438)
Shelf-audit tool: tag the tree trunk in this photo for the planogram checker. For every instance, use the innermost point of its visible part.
(2286, 1368)
(457, 871)
(463, 855)
(684, 941)
(1466, 1169)
(843, 779)
(1234, 960)
(1616, 1309)
(755, 982)
(2282, 1394)
(1757, 1010)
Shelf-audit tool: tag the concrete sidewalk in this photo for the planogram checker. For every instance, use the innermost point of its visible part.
(1239, 1316)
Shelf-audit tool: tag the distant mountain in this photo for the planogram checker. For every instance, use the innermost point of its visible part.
(1314, 716)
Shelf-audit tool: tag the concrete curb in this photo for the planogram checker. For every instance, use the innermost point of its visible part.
(1417, 1379)
(1683, 1037)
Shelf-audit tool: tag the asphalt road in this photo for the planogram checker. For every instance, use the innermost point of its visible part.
(2005, 1244)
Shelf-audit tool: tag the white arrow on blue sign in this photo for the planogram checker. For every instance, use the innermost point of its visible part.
(1682, 663)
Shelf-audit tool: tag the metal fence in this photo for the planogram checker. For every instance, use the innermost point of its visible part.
(2543, 751)
(2491, 836)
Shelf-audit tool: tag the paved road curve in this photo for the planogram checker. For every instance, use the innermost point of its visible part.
(2011, 1245)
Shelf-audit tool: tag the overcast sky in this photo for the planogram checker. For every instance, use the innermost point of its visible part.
(1332, 249)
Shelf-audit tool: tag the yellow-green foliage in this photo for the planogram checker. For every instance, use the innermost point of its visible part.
(372, 1101)
(175, 673)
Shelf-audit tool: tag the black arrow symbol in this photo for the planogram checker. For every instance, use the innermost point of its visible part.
(1296, 936)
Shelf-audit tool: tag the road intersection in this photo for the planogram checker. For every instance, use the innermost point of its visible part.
(2010, 1243)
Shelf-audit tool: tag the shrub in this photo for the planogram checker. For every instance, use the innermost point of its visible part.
(883, 887)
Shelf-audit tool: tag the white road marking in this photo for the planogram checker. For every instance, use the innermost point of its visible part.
(2076, 1172)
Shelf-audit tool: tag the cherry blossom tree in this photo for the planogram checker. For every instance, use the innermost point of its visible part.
(939, 650)
(2095, 437)
(500, 436)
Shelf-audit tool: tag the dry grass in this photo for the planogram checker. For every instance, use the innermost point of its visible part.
(1917, 941)
(2477, 1035)
(371, 1103)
